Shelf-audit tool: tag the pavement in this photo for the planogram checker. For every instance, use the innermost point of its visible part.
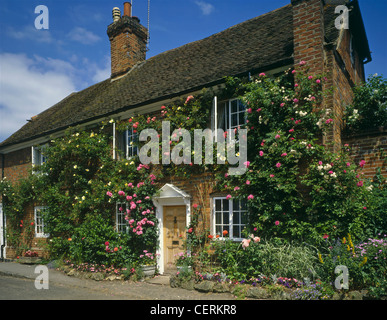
(27, 271)
(157, 288)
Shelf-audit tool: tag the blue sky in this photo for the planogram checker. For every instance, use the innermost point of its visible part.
(40, 67)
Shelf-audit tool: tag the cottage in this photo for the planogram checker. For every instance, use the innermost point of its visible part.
(304, 30)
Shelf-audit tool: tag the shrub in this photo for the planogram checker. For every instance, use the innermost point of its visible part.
(269, 258)
(369, 108)
(96, 241)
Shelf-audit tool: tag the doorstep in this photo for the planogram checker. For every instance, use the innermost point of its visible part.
(160, 280)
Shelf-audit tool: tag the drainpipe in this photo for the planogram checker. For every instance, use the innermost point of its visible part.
(3, 206)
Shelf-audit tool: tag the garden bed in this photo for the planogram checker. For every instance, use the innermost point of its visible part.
(270, 292)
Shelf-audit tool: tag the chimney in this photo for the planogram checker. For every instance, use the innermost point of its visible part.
(308, 30)
(128, 41)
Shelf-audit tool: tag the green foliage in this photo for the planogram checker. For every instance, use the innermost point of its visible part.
(296, 188)
(253, 258)
(369, 108)
(96, 241)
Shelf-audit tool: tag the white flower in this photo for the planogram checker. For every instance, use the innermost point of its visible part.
(327, 166)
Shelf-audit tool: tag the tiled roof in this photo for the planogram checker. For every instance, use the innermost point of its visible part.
(252, 46)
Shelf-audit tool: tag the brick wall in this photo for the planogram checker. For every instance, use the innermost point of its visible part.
(17, 164)
(308, 32)
(334, 60)
(370, 147)
(200, 188)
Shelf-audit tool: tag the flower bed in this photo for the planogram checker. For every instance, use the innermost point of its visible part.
(263, 288)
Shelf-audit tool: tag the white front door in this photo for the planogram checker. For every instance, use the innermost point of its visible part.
(2, 232)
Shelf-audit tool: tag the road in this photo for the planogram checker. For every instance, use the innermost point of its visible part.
(15, 288)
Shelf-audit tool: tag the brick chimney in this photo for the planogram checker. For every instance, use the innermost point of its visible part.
(308, 29)
(309, 46)
(128, 40)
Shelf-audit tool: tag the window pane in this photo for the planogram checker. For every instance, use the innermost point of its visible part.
(242, 118)
(236, 232)
(235, 205)
(234, 120)
(226, 206)
(218, 230)
(234, 106)
(218, 205)
(241, 106)
(235, 217)
(226, 217)
(218, 218)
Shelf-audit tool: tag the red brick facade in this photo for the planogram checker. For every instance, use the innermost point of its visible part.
(128, 47)
(371, 147)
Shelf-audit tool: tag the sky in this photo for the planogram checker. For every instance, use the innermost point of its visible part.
(41, 66)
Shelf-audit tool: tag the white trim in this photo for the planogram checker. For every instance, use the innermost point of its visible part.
(114, 141)
(169, 195)
(2, 231)
(231, 217)
(40, 234)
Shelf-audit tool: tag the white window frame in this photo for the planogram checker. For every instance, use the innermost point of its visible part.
(39, 223)
(129, 138)
(239, 111)
(121, 224)
(230, 224)
(224, 109)
(38, 158)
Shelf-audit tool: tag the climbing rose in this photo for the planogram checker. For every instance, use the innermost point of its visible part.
(250, 197)
(245, 243)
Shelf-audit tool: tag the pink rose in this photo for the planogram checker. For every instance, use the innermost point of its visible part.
(245, 243)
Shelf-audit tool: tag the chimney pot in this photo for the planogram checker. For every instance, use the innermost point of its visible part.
(116, 14)
(127, 9)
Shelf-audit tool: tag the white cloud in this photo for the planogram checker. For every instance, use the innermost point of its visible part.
(103, 72)
(205, 7)
(28, 86)
(83, 36)
(30, 33)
